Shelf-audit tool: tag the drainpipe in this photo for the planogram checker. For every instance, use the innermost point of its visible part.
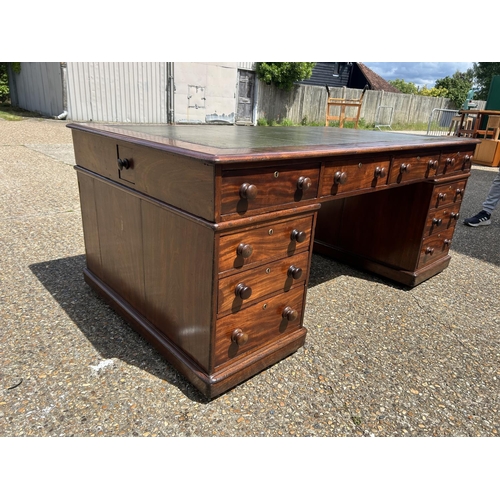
(170, 93)
(64, 114)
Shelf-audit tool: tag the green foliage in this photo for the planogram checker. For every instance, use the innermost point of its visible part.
(4, 82)
(433, 92)
(453, 87)
(286, 122)
(405, 87)
(457, 86)
(484, 73)
(284, 74)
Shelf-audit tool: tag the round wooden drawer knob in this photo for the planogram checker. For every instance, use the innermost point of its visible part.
(340, 178)
(433, 164)
(380, 172)
(239, 337)
(450, 161)
(467, 160)
(298, 236)
(442, 196)
(429, 250)
(304, 183)
(436, 222)
(455, 215)
(460, 192)
(244, 250)
(123, 163)
(294, 272)
(242, 291)
(290, 314)
(248, 191)
(405, 167)
(447, 243)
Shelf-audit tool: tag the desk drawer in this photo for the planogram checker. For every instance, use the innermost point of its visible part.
(453, 161)
(411, 167)
(246, 190)
(441, 219)
(238, 290)
(182, 182)
(258, 325)
(345, 176)
(448, 194)
(435, 246)
(264, 243)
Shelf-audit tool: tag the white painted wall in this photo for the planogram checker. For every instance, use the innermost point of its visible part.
(205, 92)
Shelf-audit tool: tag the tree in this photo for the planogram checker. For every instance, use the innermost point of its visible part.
(432, 92)
(484, 73)
(405, 87)
(284, 74)
(457, 86)
(4, 82)
(4, 79)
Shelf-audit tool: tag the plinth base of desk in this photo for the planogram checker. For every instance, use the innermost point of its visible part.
(210, 385)
(408, 278)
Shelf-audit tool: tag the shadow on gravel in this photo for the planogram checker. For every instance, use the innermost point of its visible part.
(111, 336)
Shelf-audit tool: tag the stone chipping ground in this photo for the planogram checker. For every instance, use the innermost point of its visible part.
(379, 359)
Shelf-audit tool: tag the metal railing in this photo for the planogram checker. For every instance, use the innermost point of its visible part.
(383, 117)
(440, 121)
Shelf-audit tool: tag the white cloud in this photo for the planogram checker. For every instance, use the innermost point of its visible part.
(419, 73)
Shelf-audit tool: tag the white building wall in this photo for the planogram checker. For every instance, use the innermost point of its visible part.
(117, 92)
(38, 87)
(133, 92)
(205, 92)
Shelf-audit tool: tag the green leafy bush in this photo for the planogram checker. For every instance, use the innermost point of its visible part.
(4, 82)
(284, 74)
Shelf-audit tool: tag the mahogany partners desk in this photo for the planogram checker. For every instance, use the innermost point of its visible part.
(201, 236)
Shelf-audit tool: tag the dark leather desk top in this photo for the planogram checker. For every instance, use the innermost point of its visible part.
(228, 144)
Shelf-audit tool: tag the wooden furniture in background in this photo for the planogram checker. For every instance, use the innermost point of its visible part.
(488, 150)
(343, 104)
(201, 236)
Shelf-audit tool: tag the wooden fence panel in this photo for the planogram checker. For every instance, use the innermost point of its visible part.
(308, 103)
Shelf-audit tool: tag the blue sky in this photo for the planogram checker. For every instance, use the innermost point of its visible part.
(419, 73)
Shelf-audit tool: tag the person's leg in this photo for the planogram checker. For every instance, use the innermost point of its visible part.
(493, 196)
(489, 204)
